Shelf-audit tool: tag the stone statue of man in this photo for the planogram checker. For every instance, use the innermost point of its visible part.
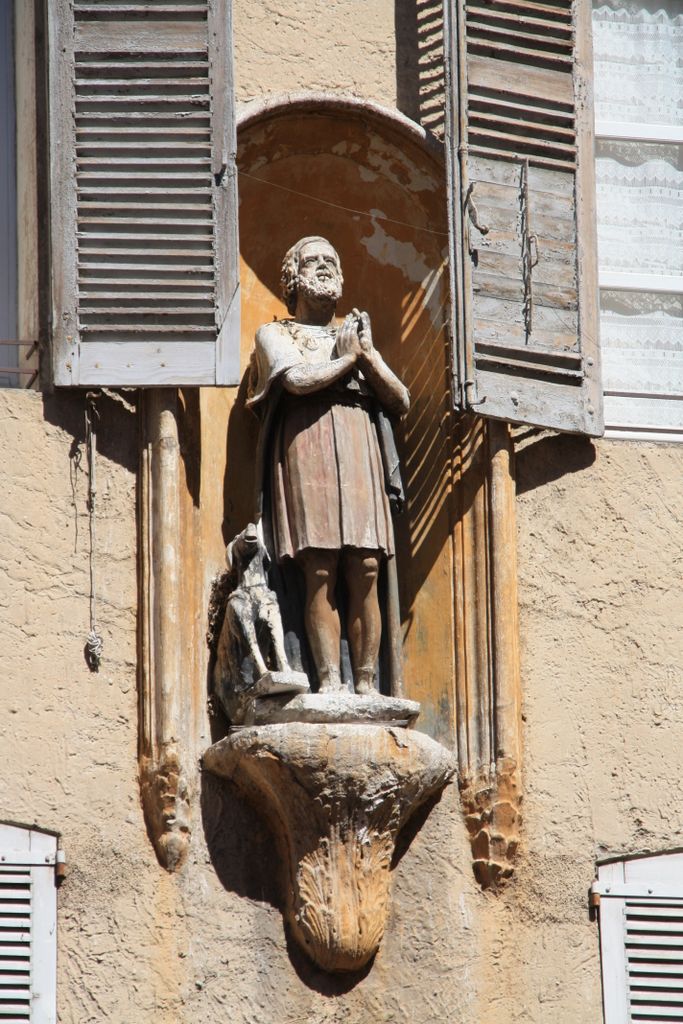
(328, 494)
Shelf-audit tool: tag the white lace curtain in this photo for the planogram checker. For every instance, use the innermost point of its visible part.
(638, 60)
(638, 69)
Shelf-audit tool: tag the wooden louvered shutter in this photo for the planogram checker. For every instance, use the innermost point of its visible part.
(522, 212)
(143, 193)
(28, 922)
(641, 938)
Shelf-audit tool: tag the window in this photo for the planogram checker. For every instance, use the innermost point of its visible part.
(28, 925)
(143, 194)
(638, 61)
(521, 183)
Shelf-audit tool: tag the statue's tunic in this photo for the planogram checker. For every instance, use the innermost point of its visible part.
(327, 476)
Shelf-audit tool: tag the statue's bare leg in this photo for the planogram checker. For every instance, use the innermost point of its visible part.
(322, 615)
(274, 623)
(361, 569)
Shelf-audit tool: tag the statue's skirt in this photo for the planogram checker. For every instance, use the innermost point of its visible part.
(328, 486)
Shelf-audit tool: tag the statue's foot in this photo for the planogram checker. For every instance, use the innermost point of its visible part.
(330, 683)
(363, 685)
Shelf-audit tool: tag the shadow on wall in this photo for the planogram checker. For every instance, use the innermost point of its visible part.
(239, 482)
(419, 62)
(116, 425)
(246, 860)
(545, 459)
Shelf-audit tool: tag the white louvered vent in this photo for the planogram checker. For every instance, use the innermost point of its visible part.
(641, 938)
(28, 925)
(144, 184)
(654, 959)
(520, 58)
(15, 943)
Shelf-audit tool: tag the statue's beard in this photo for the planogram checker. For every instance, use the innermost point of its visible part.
(317, 290)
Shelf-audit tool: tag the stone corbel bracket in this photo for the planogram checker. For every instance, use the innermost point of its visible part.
(336, 797)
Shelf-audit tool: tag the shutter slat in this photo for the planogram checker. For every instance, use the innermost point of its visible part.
(655, 912)
(85, 98)
(532, 113)
(546, 131)
(641, 981)
(134, 66)
(642, 923)
(176, 145)
(160, 310)
(158, 251)
(144, 9)
(165, 215)
(17, 949)
(140, 176)
(641, 997)
(650, 1013)
(90, 273)
(557, 11)
(163, 133)
(668, 973)
(542, 160)
(157, 294)
(655, 955)
(155, 82)
(142, 328)
(519, 20)
(162, 120)
(137, 190)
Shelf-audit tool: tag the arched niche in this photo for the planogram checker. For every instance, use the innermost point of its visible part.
(373, 182)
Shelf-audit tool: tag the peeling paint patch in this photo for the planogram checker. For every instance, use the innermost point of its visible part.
(345, 148)
(366, 174)
(392, 163)
(394, 253)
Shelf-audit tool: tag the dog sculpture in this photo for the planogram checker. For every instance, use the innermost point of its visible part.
(250, 655)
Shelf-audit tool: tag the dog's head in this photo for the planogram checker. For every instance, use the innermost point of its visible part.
(243, 547)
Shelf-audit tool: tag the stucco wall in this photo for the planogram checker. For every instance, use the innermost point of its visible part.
(344, 45)
(601, 610)
(601, 603)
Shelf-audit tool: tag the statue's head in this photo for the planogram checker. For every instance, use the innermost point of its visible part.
(311, 266)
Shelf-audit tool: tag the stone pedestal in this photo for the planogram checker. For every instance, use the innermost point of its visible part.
(333, 708)
(336, 797)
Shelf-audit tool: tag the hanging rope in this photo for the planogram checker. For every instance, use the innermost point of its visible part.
(94, 644)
